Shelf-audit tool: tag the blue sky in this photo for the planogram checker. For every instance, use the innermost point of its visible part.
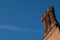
(20, 19)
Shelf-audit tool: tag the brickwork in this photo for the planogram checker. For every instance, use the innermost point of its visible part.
(51, 25)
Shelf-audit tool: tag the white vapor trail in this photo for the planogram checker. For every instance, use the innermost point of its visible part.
(10, 28)
(17, 29)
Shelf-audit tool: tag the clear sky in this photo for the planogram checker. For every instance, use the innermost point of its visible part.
(20, 19)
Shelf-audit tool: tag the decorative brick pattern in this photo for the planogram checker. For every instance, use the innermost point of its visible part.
(51, 25)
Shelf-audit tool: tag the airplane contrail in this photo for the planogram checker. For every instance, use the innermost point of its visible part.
(10, 28)
(17, 29)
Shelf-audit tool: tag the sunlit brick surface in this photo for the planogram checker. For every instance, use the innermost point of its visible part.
(51, 25)
(55, 35)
